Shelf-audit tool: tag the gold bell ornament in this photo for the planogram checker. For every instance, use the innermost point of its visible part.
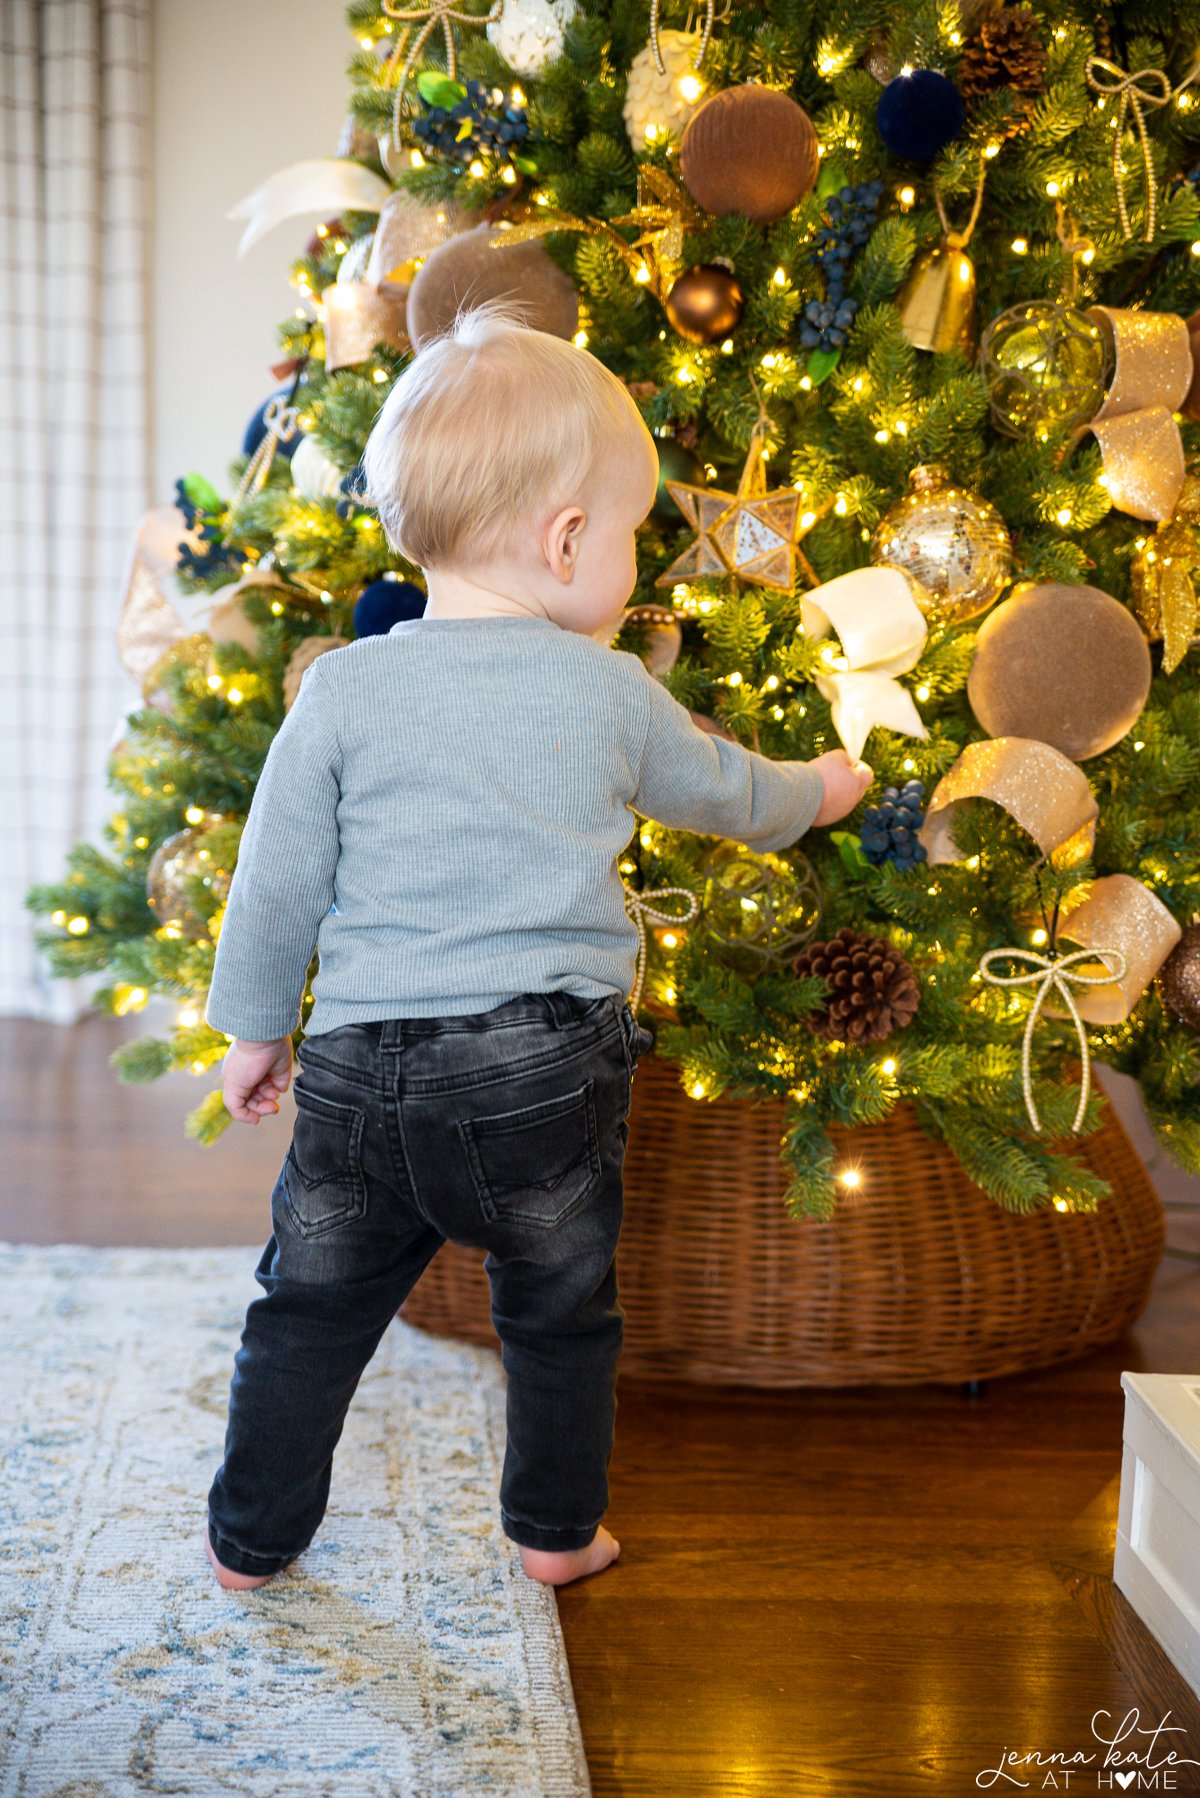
(936, 301)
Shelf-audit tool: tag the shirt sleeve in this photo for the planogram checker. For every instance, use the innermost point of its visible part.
(283, 883)
(693, 781)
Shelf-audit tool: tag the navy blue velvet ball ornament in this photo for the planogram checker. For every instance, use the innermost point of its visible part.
(919, 114)
(384, 603)
(256, 430)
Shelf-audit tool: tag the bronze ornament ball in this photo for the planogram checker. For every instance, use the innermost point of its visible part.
(749, 150)
(1178, 980)
(705, 304)
(1068, 666)
(1046, 367)
(466, 270)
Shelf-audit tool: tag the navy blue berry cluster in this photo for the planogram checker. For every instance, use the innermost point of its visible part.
(490, 127)
(211, 553)
(889, 829)
(850, 220)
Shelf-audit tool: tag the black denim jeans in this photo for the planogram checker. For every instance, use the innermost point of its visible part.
(504, 1130)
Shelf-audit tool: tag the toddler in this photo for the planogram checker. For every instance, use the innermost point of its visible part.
(441, 814)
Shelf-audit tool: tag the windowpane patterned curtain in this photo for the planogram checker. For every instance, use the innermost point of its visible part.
(74, 437)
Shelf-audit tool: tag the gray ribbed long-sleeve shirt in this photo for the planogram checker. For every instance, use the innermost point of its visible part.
(441, 815)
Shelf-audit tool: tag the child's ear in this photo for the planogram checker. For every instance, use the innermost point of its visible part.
(561, 542)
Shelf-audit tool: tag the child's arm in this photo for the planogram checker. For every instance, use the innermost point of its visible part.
(693, 781)
(283, 882)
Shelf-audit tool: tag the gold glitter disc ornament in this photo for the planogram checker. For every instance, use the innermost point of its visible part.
(1046, 366)
(763, 909)
(1178, 980)
(176, 864)
(951, 540)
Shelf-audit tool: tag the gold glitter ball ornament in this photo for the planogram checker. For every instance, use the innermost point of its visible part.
(951, 540)
(1178, 980)
(174, 868)
(762, 908)
(1047, 368)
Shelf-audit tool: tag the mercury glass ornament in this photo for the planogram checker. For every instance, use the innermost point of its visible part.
(183, 858)
(1047, 368)
(952, 541)
(763, 908)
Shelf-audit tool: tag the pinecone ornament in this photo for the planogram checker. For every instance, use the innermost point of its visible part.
(872, 989)
(1006, 51)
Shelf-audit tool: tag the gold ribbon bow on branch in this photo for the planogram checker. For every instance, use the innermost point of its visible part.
(1054, 974)
(638, 908)
(1133, 93)
(662, 214)
(1164, 576)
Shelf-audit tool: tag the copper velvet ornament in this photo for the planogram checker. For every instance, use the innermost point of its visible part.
(478, 265)
(705, 303)
(750, 150)
(1178, 980)
(1066, 665)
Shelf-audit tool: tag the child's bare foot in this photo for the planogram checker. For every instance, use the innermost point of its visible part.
(233, 1582)
(556, 1569)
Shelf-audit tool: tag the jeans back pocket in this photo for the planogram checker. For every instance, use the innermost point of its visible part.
(537, 1165)
(323, 1177)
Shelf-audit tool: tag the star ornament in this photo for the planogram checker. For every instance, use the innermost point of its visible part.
(752, 534)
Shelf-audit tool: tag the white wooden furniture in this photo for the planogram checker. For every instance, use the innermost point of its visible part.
(1157, 1559)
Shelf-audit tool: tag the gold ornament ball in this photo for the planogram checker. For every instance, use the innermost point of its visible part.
(182, 858)
(705, 304)
(953, 542)
(1046, 366)
(1178, 980)
(762, 908)
(750, 150)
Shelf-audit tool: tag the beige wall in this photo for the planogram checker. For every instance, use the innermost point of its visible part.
(242, 87)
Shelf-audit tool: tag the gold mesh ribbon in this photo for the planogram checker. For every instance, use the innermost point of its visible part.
(1164, 576)
(1122, 914)
(1137, 434)
(663, 213)
(1047, 795)
(639, 908)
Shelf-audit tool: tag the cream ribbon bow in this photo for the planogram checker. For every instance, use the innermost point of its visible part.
(882, 633)
(1050, 974)
(638, 907)
(326, 186)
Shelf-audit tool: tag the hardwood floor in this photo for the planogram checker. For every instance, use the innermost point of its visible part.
(872, 1593)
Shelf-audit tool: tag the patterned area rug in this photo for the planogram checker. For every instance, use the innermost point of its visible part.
(405, 1654)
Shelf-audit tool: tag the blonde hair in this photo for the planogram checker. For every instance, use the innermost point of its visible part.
(490, 426)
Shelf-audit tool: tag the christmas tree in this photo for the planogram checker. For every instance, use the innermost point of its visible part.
(905, 294)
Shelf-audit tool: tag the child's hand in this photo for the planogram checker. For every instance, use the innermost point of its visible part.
(844, 781)
(255, 1075)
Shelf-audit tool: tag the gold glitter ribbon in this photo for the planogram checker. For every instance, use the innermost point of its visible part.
(359, 315)
(1164, 576)
(1044, 792)
(1054, 974)
(639, 908)
(1138, 436)
(1133, 94)
(1121, 913)
(882, 631)
(408, 232)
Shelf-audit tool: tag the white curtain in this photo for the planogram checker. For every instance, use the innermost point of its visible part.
(74, 219)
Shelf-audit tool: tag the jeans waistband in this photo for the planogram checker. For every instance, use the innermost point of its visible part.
(560, 1008)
